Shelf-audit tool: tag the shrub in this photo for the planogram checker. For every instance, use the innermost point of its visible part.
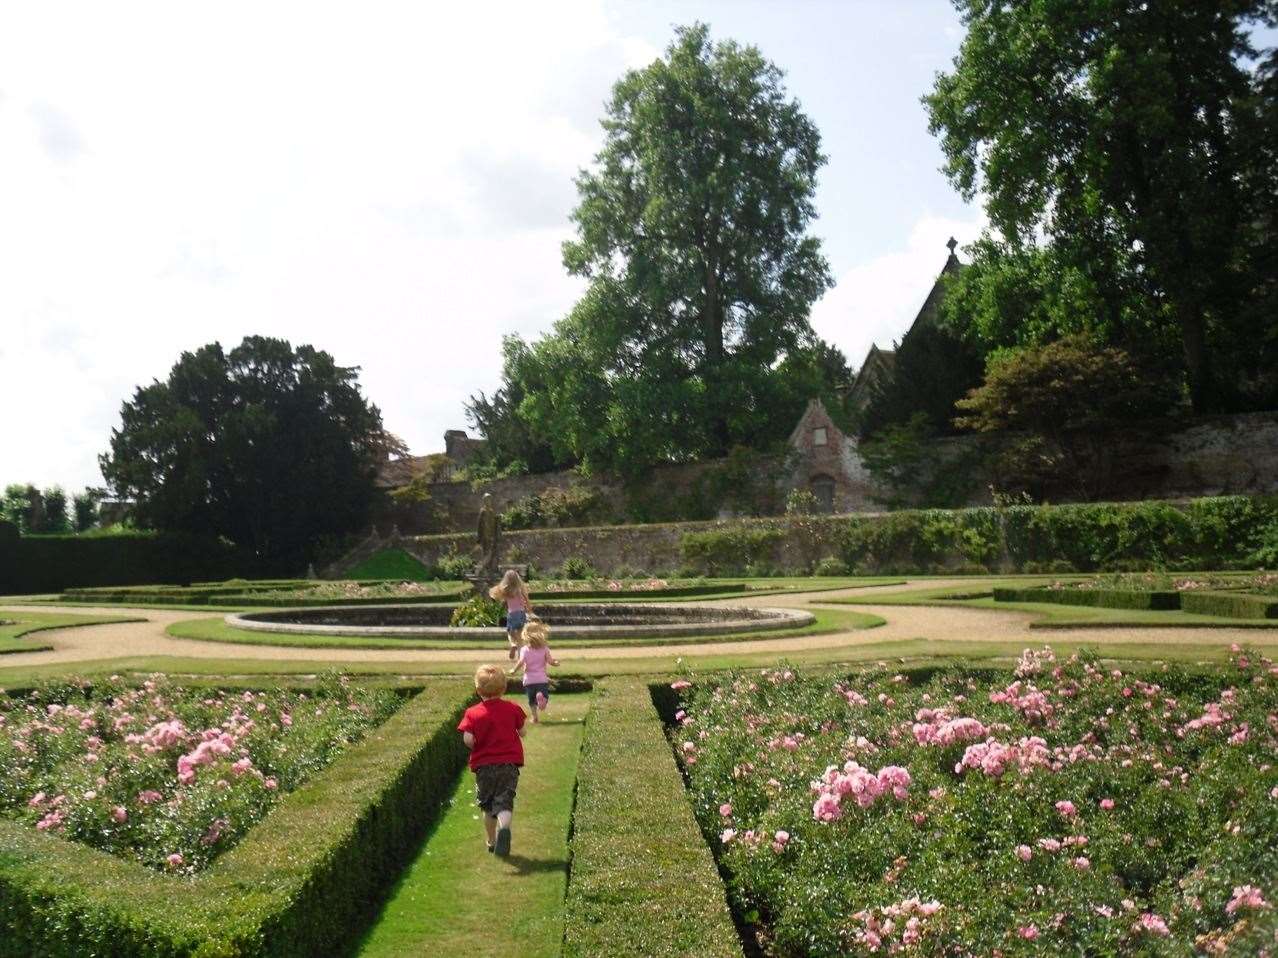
(577, 567)
(1265, 553)
(634, 840)
(477, 611)
(455, 565)
(728, 549)
(830, 566)
(800, 502)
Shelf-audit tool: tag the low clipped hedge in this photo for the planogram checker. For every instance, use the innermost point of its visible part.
(1103, 598)
(1235, 605)
(674, 593)
(318, 602)
(643, 881)
(303, 882)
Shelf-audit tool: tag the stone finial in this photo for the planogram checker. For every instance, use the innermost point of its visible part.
(951, 245)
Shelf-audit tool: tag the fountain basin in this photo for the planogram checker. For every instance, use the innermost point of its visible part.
(566, 620)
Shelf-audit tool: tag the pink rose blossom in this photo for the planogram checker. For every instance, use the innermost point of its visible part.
(725, 809)
(1107, 804)
(1028, 932)
(1024, 852)
(120, 814)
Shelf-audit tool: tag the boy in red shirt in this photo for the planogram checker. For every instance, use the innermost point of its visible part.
(492, 731)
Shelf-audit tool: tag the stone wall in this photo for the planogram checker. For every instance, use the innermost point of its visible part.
(1160, 460)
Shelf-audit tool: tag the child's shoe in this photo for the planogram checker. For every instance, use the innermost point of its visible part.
(502, 848)
(490, 848)
(542, 701)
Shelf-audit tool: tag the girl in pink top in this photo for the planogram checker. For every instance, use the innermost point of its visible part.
(514, 593)
(534, 657)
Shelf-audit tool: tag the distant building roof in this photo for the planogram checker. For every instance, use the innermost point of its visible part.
(879, 362)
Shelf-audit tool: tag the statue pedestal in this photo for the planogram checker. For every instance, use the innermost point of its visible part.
(481, 580)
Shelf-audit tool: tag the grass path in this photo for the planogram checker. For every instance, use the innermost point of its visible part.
(456, 899)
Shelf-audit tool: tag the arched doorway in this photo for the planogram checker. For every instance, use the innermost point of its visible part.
(823, 489)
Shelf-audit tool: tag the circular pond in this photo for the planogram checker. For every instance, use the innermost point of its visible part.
(568, 620)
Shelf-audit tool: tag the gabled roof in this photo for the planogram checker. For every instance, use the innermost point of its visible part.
(879, 362)
(814, 413)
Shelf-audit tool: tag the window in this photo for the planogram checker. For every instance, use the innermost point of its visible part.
(818, 436)
(823, 490)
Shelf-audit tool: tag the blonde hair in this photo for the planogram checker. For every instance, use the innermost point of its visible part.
(490, 681)
(536, 634)
(509, 585)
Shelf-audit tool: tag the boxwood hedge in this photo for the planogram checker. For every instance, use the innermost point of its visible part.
(303, 882)
(643, 881)
(1235, 605)
(1104, 598)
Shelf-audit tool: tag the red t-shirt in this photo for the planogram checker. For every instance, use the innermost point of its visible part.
(495, 723)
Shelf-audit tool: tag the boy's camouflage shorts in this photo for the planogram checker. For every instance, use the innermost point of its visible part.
(495, 788)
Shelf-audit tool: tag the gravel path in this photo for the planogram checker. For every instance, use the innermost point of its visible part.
(958, 624)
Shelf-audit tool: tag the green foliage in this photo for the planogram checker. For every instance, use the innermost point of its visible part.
(477, 611)
(302, 883)
(556, 506)
(35, 511)
(1068, 399)
(800, 502)
(911, 468)
(455, 565)
(577, 568)
(729, 550)
(692, 234)
(85, 509)
(37, 564)
(634, 839)
(830, 566)
(1134, 140)
(391, 564)
(1265, 554)
(1206, 534)
(272, 447)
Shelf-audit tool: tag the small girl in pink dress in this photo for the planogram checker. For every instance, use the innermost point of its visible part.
(534, 657)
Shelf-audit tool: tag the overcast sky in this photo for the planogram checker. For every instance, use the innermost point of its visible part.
(390, 183)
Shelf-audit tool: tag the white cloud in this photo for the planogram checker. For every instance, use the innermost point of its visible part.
(390, 182)
(876, 300)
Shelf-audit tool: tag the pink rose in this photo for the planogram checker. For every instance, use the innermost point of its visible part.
(1024, 852)
(120, 814)
(725, 809)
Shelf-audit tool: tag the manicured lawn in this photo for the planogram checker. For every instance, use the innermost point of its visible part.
(456, 899)
(15, 625)
(216, 630)
(390, 564)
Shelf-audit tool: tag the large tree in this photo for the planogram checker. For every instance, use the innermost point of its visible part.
(1116, 145)
(272, 447)
(692, 232)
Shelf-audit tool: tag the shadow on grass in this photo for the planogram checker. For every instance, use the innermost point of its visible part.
(533, 866)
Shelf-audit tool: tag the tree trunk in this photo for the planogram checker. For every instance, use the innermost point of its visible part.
(712, 326)
(1193, 337)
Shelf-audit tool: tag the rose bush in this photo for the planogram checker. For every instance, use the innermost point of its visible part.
(1067, 808)
(170, 777)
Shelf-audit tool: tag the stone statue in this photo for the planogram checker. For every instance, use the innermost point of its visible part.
(489, 537)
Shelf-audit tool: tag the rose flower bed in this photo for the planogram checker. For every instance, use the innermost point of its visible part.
(167, 776)
(1069, 808)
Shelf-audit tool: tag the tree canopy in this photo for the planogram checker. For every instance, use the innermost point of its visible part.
(271, 447)
(1125, 154)
(692, 233)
